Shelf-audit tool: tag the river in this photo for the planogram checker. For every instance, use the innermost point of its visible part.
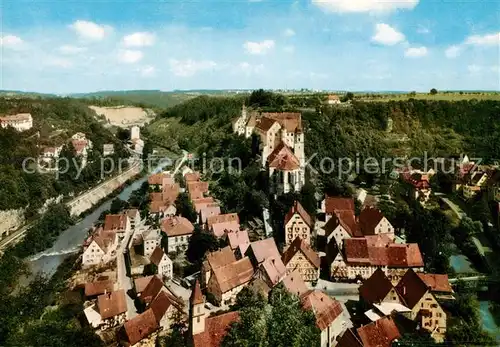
(70, 240)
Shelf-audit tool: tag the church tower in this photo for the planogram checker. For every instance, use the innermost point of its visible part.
(197, 310)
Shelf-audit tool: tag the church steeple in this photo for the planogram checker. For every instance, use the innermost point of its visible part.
(197, 310)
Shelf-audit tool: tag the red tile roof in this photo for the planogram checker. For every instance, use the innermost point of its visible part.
(79, 145)
(264, 124)
(221, 218)
(140, 326)
(234, 274)
(369, 219)
(282, 158)
(160, 179)
(237, 237)
(347, 220)
(98, 287)
(325, 309)
(209, 210)
(411, 288)
(162, 303)
(291, 121)
(215, 329)
(104, 239)
(196, 295)
(140, 283)
(264, 249)
(152, 289)
(380, 333)
(200, 203)
(297, 208)
(300, 245)
(112, 304)
(338, 204)
(157, 256)
(220, 229)
(176, 226)
(294, 283)
(220, 257)
(197, 185)
(349, 339)
(115, 222)
(274, 269)
(192, 176)
(437, 282)
(375, 288)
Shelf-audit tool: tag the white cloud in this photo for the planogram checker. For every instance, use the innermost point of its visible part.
(139, 39)
(69, 49)
(423, 30)
(189, 67)
(416, 52)
(453, 51)
(59, 62)
(147, 71)
(289, 32)
(90, 30)
(259, 48)
(128, 56)
(11, 41)
(289, 49)
(387, 35)
(483, 40)
(353, 6)
(473, 69)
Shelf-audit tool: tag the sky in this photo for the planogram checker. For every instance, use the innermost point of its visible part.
(68, 46)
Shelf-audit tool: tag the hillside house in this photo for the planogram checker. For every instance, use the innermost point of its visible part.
(163, 263)
(298, 223)
(228, 280)
(134, 216)
(178, 231)
(341, 225)
(20, 122)
(119, 223)
(328, 313)
(96, 288)
(285, 170)
(159, 180)
(300, 256)
(98, 248)
(112, 307)
(215, 259)
(373, 222)
(238, 240)
(294, 283)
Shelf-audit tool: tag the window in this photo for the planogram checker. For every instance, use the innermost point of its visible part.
(198, 309)
(197, 319)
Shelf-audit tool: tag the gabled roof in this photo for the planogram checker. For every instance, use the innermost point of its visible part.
(234, 274)
(220, 257)
(112, 304)
(215, 329)
(300, 245)
(274, 269)
(98, 287)
(298, 209)
(380, 333)
(157, 256)
(411, 288)
(197, 185)
(264, 124)
(437, 282)
(209, 210)
(375, 288)
(338, 204)
(325, 309)
(291, 121)
(219, 229)
(152, 289)
(132, 213)
(160, 179)
(294, 283)
(222, 218)
(141, 283)
(369, 219)
(201, 203)
(176, 226)
(346, 219)
(162, 303)
(196, 295)
(263, 249)
(140, 326)
(115, 222)
(104, 239)
(282, 158)
(192, 176)
(237, 237)
(349, 339)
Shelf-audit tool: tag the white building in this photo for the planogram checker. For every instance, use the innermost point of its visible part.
(135, 133)
(178, 230)
(20, 121)
(99, 247)
(162, 262)
(152, 240)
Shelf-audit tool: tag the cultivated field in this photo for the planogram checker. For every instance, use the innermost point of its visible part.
(124, 116)
(447, 96)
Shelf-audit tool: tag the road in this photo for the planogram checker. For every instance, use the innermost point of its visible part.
(458, 211)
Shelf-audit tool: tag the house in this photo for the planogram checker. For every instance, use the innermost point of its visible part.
(221, 223)
(151, 239)
(240, 122)
(228, 280)
(298, 223)
(112, 306)
(269, 132)
(151, 290)
(159, 180)
(192, 177)
(20, 121)
(333, 205)
(108, 149)
(420, 188)
(134, 216)
(140, 283)
(119, 223)
(332, 100)
(94, 289)
(291, 131)
(377, 289)
(212, 209)
(49, 153)
(381, 333)
(285, 170)
(238, 239)
(138, 328)
(97, 249)
(359, 258)
(197, 189)
(328, 314)
(477, 181)
(493, 185)
(418, 297)
(202, 203)
(163, 203)
(207, 331)
(215, 260)
(373, 222)
(162, 262)
(341, 225)
(439, 285)
(300, 256)
(294, 283)
(178, 231)
(165, 308)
